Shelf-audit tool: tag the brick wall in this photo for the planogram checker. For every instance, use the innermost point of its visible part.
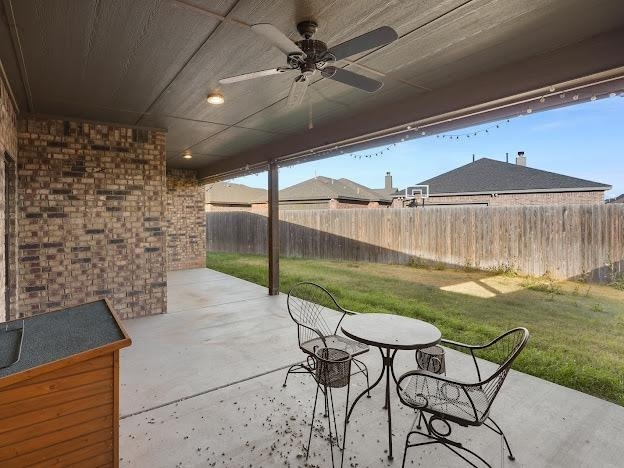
(227, 207)
(186, 221)
(524, 199)
(336, 204)
(90, 216)
(8, 144)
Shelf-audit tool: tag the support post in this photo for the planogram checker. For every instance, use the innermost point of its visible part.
(273, 224)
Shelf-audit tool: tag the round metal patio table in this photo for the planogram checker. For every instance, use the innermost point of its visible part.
(389, 333)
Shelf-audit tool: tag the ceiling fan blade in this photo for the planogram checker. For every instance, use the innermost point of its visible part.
(297, 91)
(256, 74)
(277, 38)
(352, 79)
(370, 40)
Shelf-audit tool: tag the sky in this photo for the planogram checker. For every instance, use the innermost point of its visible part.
(585, 140)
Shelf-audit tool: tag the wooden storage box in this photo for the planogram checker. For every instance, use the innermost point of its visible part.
(59, 402)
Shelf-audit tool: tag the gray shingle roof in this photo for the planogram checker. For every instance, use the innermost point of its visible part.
(488, 175)
(235, 194)
(325, 188)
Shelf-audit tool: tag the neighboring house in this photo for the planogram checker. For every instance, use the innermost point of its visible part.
(324, 192)
(388, 190)
(496, 183)
(618, 199)
(226, 196)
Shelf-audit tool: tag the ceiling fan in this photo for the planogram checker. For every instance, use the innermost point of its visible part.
(309, 55)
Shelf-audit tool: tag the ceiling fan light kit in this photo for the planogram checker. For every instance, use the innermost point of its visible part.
(215, 99)
(307, 56)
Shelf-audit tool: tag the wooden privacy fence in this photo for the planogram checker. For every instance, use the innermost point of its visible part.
(563, 241)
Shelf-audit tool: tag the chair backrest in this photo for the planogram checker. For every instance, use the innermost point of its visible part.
(307, 304)
(502, 351)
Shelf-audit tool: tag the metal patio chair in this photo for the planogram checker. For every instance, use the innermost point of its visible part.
(431, 359)
(446, 400)
(308, 305)
(332, 371)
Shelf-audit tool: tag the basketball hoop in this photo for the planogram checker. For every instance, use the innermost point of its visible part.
(416, 191)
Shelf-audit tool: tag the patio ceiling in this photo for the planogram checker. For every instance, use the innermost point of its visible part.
(152, 63)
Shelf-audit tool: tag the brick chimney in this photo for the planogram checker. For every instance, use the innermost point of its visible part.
(521, 159)
(388, 185)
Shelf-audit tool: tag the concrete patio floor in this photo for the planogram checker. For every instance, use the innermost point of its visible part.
(202, 386)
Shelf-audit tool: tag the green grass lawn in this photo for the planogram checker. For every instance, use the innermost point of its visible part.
(577, 329)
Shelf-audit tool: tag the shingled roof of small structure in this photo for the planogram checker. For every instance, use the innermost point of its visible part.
(325, 188)
(488, 175)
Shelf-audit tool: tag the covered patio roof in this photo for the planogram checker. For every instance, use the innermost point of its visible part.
(152, 63)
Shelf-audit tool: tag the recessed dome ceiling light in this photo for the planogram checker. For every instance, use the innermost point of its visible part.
(187, 156)
(215, 98)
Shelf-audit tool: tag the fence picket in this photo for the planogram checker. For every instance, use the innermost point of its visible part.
(565, 241)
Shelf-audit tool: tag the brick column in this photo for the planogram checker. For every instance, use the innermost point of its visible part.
(185, 221)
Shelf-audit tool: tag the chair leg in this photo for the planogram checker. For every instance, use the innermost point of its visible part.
(291, 368)
(326, 413)
(296, 369)
(312, 423)
(461, 447)
(331, 443)
(364, 370)
(432, 439)
(408, 445)
(344, 433)
(405, 449)
(333, 415)
(499, 431)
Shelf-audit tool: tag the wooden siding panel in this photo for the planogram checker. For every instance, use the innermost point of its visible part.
(90, 456)
(22, 440)
(20, 407)
(98, 431)
(55, 385)
(25, 420)
(101, 362)
(66, 416)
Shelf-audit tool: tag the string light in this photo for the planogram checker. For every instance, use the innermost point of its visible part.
(451, 136)
(456, 136)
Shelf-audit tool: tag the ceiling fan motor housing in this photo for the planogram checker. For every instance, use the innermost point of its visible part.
(308, 67)
(307, 28)
(315, 50)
